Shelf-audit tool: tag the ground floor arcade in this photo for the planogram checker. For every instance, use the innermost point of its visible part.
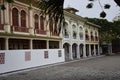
(28, 43)
(77, 51)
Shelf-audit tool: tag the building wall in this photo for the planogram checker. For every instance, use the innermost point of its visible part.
(18, 22)
(80, 37)
(15, 60)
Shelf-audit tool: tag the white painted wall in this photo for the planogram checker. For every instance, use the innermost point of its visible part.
(15, 59)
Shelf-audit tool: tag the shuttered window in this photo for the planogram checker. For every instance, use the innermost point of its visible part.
(23, 18)
(15, 17)
(36, 21)
(42, 22)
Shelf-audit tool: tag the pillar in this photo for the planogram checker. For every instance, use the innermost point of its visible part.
(78, 52)
(84, 51)
(90, 51)
(47, 44)
(60, 44)
(31, 44)
(6, 44)
(6, 18)
(31, 22)
(94, 50)
(70, 52)
(98, 50)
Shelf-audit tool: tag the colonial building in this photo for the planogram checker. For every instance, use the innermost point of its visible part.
(22, 27)
(80, 37)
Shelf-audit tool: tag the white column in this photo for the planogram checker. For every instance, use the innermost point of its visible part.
(84, 51)
(98, 50)
(6, 44)
(47, 44)
(70, 52)
(94, 51)
(60, 44)
(6, 18)
(31, 44)
(90, 50)
(78, 52)
(31, 22)
(47, 26)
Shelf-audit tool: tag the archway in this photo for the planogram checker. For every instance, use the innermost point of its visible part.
(92, 50)
(87, 50)
(66, 50)
(74, 50)
(81, 50)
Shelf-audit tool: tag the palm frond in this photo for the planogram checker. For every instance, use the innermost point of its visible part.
(53, 8)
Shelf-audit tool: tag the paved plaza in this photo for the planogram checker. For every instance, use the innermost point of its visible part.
(101, 68)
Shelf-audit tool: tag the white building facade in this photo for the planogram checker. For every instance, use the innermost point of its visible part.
(80, 37)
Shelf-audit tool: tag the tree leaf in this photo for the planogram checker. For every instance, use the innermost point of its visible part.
(103, 14)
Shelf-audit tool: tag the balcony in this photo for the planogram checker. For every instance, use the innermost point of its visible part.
(1, 27)
(96, 38)
(87, 37)
(38, 31)
(20, 29)
(54, 34)
(66, 36)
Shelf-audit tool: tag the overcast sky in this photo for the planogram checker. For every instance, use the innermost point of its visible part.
(95, 11)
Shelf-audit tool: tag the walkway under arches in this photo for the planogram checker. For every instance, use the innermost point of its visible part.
(66, 50)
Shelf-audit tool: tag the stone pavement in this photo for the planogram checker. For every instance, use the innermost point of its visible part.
(102, 68)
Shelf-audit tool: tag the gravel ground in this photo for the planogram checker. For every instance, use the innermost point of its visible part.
(102, 68)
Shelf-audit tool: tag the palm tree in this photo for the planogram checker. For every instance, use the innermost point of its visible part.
(53, 8)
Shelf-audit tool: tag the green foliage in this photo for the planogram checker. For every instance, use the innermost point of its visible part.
(117, 2)
(9, 1)
(103, 14)
(91, 0)
(109, 31)
(53, 8)
(107, 6)
(90, 5)
(3, 7)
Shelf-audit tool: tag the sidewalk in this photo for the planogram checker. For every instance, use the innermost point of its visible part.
(50, 65)
(103, 68)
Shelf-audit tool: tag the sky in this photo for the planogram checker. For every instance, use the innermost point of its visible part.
(95, 11)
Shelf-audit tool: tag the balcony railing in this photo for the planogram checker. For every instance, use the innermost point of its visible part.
(87, 37)
(20, 29)
(38, 31)
(54, 34)
(74, 37)
(66, 36)
(1, 27)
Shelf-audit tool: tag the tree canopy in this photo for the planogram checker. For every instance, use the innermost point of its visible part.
(109, 30)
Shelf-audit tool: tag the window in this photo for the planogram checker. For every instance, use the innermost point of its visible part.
(81, 35)
(86, 35)
(96, 37)
(27, 56)
(51, 25)
(2, 58)
(81, 28)
(92, 37)
(42, 22)
(0, 16)
(15, 17)
(36, 17)
(59, 53)
(23, 18)
(55, 29)
(46, 56)
(74, 35)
